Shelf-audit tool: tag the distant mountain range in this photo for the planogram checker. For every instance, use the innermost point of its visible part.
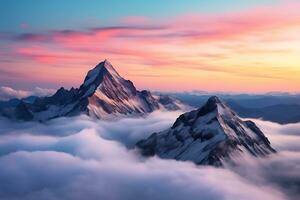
(209, 135)
(104, 94)
(280, 113)
(283, 108)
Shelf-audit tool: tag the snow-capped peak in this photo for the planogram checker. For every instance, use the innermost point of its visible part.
(104, 94)
(213, 103)
(95, 75)
(208, 135)
(214, 100)
(108, 66)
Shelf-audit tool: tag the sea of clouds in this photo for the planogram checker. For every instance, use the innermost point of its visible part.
(81, 158)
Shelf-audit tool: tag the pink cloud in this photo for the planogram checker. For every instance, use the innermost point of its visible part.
(191, 28)
(45, 55)
(230, 25)
(193, 42)
(130, 40)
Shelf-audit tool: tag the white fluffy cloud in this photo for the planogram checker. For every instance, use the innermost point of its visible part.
(7, 93)
(283, 137)
(80, 158)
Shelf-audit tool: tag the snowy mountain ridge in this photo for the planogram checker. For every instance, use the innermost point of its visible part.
(104, 94)
(209, 135)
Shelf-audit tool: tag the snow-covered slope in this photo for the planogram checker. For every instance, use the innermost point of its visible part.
(207, 135)
(110, 94)
(104, 94)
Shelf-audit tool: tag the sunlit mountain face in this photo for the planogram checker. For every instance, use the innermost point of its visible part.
(149, 100)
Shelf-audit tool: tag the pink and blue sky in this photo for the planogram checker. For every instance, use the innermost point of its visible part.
(218, 45)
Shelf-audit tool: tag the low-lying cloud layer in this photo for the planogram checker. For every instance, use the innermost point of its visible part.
(7, 93)
(79, 158)
(283, 137)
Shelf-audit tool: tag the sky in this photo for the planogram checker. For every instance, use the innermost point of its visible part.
(247, 46)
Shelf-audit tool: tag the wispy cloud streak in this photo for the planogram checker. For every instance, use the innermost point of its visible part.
(228, 46)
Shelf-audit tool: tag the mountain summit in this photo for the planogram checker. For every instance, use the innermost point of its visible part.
(208, 135)
(104, 94)
(110, 94)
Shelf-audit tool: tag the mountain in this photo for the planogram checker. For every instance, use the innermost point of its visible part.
(244, 100)
(279, 113)
(9, 103)
(104, 94)
(208, 135)
(280, 108)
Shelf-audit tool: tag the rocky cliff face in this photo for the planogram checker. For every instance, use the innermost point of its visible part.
(104, 94)
(208, 135)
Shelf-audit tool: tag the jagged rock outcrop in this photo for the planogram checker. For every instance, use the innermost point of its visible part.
(208, 135)
(104, 94)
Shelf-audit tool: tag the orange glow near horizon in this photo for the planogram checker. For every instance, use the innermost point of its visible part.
(255, 51)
